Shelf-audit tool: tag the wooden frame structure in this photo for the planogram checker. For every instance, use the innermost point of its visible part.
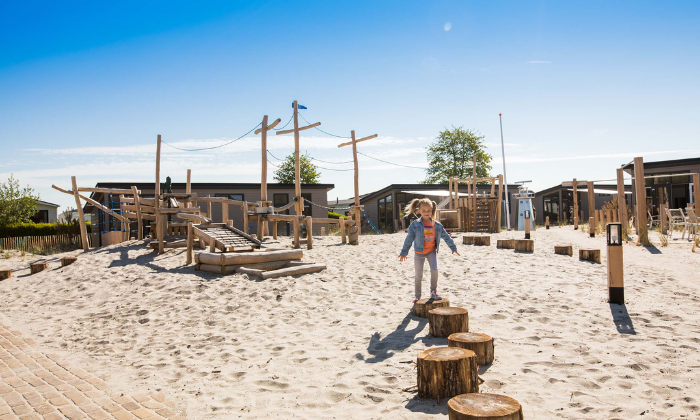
(357, 208)
(477, 213)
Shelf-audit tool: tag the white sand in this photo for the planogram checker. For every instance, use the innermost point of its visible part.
(334, 344)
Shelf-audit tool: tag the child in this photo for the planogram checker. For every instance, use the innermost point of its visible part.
(425, 233)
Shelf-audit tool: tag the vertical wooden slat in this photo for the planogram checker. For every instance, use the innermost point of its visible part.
(640, 190)
(621, 201)
(575, 204)
(81, 216)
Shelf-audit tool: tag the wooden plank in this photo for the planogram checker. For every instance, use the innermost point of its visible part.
(147, 201)
(139, 222)
(591, 201)
(296, 129)
(293, 270)
(309, 232)
(641, 197)
(621, 203)
(81, 216)
(571, 184)
(696, 193)
(165, 210)
(224, 212)
(126, 200)
(250, 257)
(575, 185)
(105, 190)
(160, 231)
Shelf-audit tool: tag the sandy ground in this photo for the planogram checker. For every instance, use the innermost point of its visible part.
(338, 344)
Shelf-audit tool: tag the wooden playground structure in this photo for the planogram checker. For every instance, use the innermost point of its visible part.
(475, 212)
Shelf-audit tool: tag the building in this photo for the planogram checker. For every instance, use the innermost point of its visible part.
(557, 202)
(385, 207)
(669, 181)
(279, 194)
(45, 212)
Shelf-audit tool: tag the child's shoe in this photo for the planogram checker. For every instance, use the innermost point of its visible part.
(415, 300)
(434, 295)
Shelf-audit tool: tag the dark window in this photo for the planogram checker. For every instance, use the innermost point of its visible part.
(551, 207)
(307, 205)
(386, 213)
(41, 216)
(279, 200)
(237, 197)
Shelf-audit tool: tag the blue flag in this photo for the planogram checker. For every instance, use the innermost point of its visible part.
(300, 106)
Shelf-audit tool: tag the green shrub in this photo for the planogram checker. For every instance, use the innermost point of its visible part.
(41, 229)
(333, 215)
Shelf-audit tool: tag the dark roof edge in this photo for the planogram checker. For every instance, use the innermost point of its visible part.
(665, 163)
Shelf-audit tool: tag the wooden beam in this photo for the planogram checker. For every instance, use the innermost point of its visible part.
(91, 201)
(500, 198)
(696, 193)
(105, 190)
(575, 185)
(266, 127)
(224, 212)
(621, 203)
(474, 195)
(296, 130)
(641, 197)
(571, 184)
(591, 203)
(160, 231)
(357, 141)
(81, 216)
(309, 232)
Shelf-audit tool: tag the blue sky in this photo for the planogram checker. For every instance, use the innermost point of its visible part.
(583, 86)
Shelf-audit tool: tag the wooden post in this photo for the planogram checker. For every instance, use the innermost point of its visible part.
(296, 243)
(499, 201)
(323, 230)
(621, 201)
(546, 222)
(591, 201)
(591, 226)
(474, 194)
(481, 344)
(641, 193)
(260, 231)
(616, 286)
(527, 224)
(209, 213)
(342, 231)
(188, 187)
(137, 204)
(449, 187)
(309, 233)
(224, 212)
(81, 216)
(444, 372)
(696, 193)
(264, 128)
(356, 209)
(160, 228)
(245, 219)
(190, 243)
(575, 205)
(274, 230)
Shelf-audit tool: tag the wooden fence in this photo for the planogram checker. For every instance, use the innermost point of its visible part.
(29, 243)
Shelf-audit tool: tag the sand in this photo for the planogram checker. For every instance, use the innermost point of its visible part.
(340, 343)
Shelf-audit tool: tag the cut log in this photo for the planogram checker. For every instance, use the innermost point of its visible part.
(216, 269)
(484, 407)
(249, 257)
(525, 245)
(293, 270)
(68, 261)
(5, 274)
(423, 306)
(505, 244)
(444, 372)
(468, 240)
(592, 255)
(37, 267)
(481, 344)
(482, 240)
(446, 321)
(564, 250)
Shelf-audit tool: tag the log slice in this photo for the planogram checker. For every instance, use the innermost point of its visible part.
(592, 255)
(525, 245)
(444, 372)
(505, 243)
(5, 274)
(564, 250)
(446, 321)
(423, 306)
(484, 407)
(481, 344)
(37, 267)
(68, 261)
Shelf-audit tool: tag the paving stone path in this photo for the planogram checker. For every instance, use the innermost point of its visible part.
(34, 385)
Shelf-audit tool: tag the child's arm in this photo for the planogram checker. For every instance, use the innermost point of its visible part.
(448, 240)
(407, 243)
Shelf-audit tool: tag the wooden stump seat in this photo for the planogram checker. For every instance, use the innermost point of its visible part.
(5, 274)
(592, 255)
(446, 321)
(480, 344)
(484, 407)
(525, 245)
(564, 250)
(37, 267)
(68, 261)
(444, 372)
(423, 306)
(505, 244)
(480, 240)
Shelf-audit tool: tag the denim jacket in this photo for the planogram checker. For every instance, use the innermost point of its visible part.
(416, 236)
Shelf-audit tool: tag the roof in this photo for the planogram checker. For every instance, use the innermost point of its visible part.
(419, 189)
(46, 203)
(606, 187)
(665, 163)
(211, 185)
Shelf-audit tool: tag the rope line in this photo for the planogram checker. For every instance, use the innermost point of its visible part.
(214, 147)
(282, 128)
(320, 167)
(324, 207)
(334, 163)
(324, 132)
(371, 224)
(391, 163)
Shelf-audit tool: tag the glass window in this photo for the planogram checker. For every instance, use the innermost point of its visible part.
(386, 213)
(307, 205)
(279, 200)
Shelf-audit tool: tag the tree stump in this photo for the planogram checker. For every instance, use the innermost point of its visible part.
(482, 240)
(564, 250)
(525, 245)
(484, 407)
(446, 321)
(592, 255)
(423, 306)
(5, 274)
(468, 240)
(68, 261)
(353, 235)
(505, 243)
(37, 267)
(481, 344)
(444, 372)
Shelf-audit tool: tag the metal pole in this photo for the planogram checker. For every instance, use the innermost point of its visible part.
(505, 178)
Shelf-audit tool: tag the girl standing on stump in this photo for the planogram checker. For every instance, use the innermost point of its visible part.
(425, 233)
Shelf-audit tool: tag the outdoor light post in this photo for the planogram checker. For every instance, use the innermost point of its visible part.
(616, 287)
(527, 224)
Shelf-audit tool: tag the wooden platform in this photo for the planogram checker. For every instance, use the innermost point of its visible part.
(227, 238)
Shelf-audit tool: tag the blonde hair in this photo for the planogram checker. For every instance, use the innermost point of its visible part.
(415, 204)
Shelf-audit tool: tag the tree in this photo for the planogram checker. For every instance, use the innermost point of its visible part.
(67, 215)
(308, 172)
(451, 154)
(17, 205)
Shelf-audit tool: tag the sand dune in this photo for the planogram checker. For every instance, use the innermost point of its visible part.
(339, 343)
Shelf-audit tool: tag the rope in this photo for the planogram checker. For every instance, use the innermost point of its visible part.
(282, 128)
(324, 207)
(371, 224)
(213, 147)
(390, 163)
(324, 132)
(320, 167)
(334, 163)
